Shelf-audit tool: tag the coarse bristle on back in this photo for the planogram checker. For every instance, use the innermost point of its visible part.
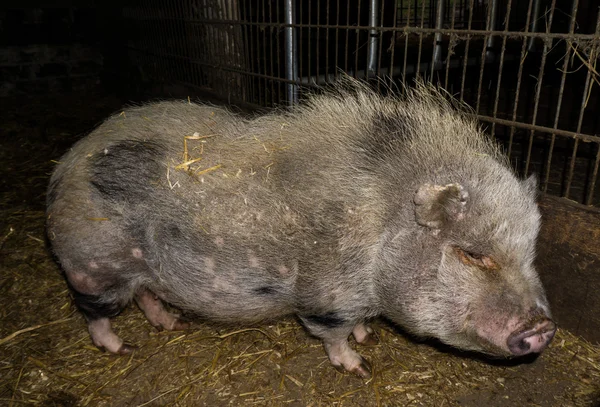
(422, 119)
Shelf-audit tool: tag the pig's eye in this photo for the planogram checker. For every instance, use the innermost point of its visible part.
(474, 256)
(476, 259)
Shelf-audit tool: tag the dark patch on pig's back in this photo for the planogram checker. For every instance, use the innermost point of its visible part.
(127, 171)
(385, 137)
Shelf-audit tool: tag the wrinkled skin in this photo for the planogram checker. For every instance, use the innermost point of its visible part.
(349, 207)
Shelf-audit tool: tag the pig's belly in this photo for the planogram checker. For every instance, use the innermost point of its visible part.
(229, 293)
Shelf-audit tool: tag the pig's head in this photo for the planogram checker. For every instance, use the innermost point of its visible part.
(466, 273)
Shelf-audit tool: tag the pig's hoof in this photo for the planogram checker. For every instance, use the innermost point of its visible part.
(126, 349)
(370, 340)
(180, 325)
(173, 325)
(363, 370)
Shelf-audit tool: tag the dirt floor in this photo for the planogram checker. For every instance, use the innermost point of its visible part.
(47, 358)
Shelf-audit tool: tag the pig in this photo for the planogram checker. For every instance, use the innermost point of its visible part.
(351, 206)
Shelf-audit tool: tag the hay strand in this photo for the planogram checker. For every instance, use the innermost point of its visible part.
(31, 328)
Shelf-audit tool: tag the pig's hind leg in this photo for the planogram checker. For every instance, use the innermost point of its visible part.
(98, 304)
(156, 313)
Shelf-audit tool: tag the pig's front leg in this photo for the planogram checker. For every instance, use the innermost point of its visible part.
(343, 357)
(335, 339)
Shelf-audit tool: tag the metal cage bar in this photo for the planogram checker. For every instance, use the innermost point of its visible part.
(529, 74)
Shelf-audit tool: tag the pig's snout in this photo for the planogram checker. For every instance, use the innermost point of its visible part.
(532, 337)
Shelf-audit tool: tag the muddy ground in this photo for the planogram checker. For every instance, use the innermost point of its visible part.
(47, 358)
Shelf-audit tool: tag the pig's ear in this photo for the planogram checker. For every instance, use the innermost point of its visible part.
(439, 205)
(531, 185)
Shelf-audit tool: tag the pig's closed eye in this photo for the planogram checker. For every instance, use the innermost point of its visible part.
(476, 259)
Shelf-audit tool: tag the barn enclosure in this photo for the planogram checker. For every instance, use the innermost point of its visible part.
(527, 69)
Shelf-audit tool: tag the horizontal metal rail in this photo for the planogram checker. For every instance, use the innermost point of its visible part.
(404, 29)
(311, 83)
(542, 129)
(244, 51)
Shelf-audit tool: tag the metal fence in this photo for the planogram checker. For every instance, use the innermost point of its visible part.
(528, 68)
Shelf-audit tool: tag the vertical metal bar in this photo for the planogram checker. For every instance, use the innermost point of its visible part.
(519, 77)
(267, 58)
(592, 185)
(327, 41)
(380, 50)
(406, 46)
(256, 45)
(393, 41)
(347, 39)
(199, 32)
(373, 38)
(309, 46)
(534, 25)
(565, 65)
(247, 51)
(466, 57)
(584, 101)
(279, 64)
(547, 45)
(271, 37)
(576, 145)
(232, 57)
(266, 48)
(483, 59)
(502, 52)
(418, 64)
(317, 48)
(234, 37)
(300, 42)
(337, 36)
(215, 51)
(208, 42)
(255, 57)
(451, 44)
(337, 39)
(489, 53)
(437, 43)
(260, 59)
(243, 60)
(291, 62)
(357, 44)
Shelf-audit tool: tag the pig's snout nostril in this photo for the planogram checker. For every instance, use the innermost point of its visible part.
(532, 339)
